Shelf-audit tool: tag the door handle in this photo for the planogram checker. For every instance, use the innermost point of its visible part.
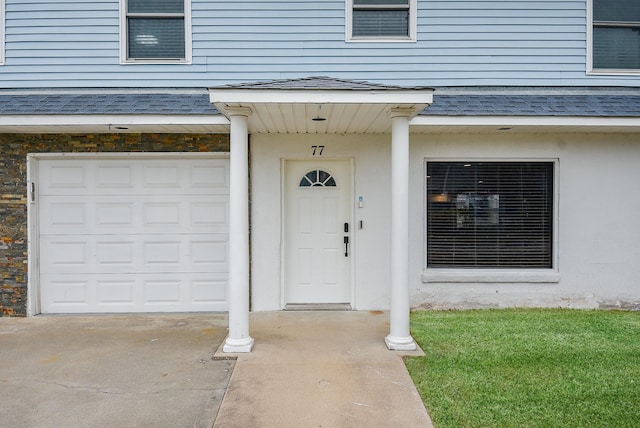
(346, 240)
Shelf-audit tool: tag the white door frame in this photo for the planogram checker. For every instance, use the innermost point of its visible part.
(33, 221)
(283, 230)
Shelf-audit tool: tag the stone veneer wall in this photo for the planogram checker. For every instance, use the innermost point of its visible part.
(13, 189)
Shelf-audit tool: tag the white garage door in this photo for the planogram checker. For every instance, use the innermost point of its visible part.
(133, 234)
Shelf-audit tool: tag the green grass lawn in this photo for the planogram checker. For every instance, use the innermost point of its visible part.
(528, 368)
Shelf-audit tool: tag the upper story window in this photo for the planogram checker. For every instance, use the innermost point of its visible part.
(615, 36)
(156, 31)
(381, 20)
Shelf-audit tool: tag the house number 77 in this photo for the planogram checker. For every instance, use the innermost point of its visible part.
(317, 150)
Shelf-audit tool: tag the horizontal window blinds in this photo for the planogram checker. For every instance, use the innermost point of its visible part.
(156, 29)
(616, 34)
(155, 6)
(156, 38)
(489, 214)
(616, 48)
(380, 18)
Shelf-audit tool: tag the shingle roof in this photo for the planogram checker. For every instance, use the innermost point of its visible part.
(613, 105)
(568, 102)
(317, 83)
(106, 103)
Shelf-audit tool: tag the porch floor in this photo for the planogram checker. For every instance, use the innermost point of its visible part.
(320, 369)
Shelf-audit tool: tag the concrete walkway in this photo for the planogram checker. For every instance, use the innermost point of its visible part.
(320, 369)
(326, 369)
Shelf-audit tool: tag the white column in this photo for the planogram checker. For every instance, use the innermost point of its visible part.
(399, 337)
(239, 339)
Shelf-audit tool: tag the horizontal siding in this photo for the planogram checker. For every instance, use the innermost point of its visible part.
(75, 43)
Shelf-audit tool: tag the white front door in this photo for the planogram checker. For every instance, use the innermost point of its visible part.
(318, 231)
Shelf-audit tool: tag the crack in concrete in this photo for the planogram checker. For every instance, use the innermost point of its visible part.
(102, 390)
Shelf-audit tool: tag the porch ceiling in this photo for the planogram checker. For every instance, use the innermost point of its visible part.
(289, 118)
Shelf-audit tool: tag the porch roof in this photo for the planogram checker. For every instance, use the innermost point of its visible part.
(320, 105)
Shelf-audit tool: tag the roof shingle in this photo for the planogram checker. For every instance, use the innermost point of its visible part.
(614, 105)
(106, 103)
(568, 102)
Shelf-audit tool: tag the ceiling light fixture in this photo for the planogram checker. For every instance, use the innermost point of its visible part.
(318, 118)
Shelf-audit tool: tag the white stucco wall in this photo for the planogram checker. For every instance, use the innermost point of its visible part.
(598, 218)
(370, 245)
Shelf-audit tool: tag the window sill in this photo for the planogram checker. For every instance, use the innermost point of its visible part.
(396, 39)
(613, 72)
(155, 61)
(491, 276)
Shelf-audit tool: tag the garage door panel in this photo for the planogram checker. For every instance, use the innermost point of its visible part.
(139, 254)
(131, 214)
(133, 235)
(134, 293)
(139, 177)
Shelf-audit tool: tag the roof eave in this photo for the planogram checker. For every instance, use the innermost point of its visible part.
(480, 120)
(320, 96)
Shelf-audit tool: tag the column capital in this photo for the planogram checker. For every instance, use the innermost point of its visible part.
(238, 111)
(402, 112)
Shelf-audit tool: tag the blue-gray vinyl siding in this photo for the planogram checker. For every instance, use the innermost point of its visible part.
(75, 43)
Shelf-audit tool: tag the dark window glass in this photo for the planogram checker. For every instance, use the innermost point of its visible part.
(616, 34)
(155, 6)
(381, 23)
(317, 178)
(381, 2)
(489, 214)
(616, 47)
(156, 38)
(156, 29)
(380, 18)
(616, 10)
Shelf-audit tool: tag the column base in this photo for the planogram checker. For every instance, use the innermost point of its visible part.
(400, 343)
(237, 345)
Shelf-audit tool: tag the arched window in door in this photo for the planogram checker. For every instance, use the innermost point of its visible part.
(317, 178)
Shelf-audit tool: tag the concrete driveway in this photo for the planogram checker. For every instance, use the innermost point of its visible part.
(112, 371)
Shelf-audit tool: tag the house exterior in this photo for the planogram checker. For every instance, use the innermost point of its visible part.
(187, 155)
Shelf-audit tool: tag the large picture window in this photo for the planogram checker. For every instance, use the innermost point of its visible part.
(489, 214)
(156, 30)
(615, 35)
(381, 19)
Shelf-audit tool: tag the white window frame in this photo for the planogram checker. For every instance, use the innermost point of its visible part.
(600, 71)
(496, 275)
(3, 32)
(413, 24)
(124, 42)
